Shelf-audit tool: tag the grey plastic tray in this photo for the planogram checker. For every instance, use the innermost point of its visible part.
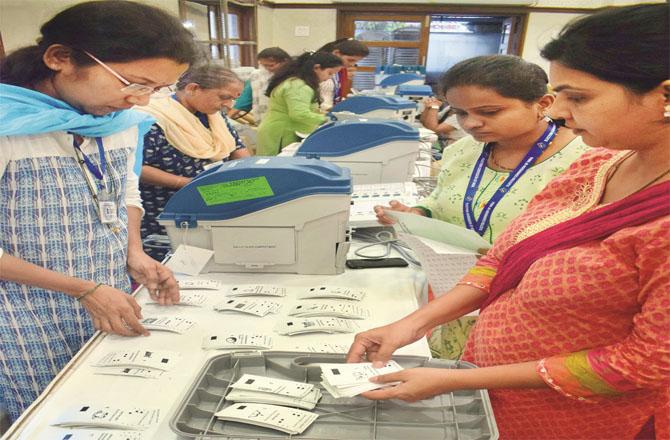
(462, 415)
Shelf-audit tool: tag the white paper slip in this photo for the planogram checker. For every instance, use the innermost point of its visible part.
(90, 434)
(190, 260)
(307, 402)
(322, 348)
(237, 341)
(438, 230)
(171, 324)
(338, 292)
(147, 373)
(348, 380)
(338, 309)
(256, 307)
(252, 382)
(102, 416)
(288, 420)
(256, 290)
(195, 299)
(315, 325)
(443, 265)
(156, 359)
(199, 284)
(355, 374)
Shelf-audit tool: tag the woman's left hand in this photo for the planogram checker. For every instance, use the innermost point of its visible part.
(158, 279)
(416, 384)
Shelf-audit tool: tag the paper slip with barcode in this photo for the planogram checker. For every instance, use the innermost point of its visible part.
(171, 324)
(147, 373)
(308, 401)
(101, 416)
(443, 265)
(256, 307)
(237, 341)
(190, 260)
(156, 359)
(195, 299)
(289, 420)
(256, 290)
(90, 434)
(348, 380)
(332, 292)
(322, 348)
(199, 284)
(252, 382)
(337, 309)
(315, 325)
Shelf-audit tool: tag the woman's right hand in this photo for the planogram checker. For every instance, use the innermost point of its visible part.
(114, 311)
(394, 205)
(378, 344)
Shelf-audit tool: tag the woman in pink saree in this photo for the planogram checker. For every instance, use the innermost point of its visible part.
(573, 338)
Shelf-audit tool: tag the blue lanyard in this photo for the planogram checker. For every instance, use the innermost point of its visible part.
(97, 171)
(481, 224)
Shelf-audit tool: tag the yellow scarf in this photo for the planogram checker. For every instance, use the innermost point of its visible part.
(184, 131)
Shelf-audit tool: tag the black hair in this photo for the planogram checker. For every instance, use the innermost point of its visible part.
(303, 67)
(628, 46)
(347, 46)
(112, 31)
(276, 54)
(508, 75)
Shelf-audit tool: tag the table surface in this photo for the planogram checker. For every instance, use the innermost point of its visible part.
(391, 294)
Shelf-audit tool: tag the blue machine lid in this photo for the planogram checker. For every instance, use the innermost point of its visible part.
(341, 138)
(243, 186)
(400, 78)
(414, 90)
(361, 104)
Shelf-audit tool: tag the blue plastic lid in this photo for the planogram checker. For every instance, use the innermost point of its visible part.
(414, 90)
(361, 104)
(243, 186)
(341, 138)
(400, 78)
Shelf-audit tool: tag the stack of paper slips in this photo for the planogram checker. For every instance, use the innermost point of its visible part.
(289, 420)
(260, 389)
(349, 380)
(255, 307)
(101, 416)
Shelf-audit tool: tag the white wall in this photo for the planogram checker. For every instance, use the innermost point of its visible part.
(542, 27)
(20, 20)
(322, 25)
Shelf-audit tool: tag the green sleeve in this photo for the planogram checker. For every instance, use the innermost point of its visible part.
(244, 102)
(301, 108)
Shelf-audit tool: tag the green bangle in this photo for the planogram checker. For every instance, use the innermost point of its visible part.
(88, 292)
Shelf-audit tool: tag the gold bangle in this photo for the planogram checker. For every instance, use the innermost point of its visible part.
(88, 292)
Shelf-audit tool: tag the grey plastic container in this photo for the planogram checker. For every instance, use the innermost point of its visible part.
(460, 415)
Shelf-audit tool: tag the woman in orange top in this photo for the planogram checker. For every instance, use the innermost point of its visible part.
(573, 339)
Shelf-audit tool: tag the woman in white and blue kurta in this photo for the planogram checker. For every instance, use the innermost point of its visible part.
(69, 200)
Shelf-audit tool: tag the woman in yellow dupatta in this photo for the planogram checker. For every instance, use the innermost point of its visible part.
(191, 131)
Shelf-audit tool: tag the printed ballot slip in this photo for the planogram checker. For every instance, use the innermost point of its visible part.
(348, 380)
(289, 420)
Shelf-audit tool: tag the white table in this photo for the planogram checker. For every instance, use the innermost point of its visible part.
(392, 294)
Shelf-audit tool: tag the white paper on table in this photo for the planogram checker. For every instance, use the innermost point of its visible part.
(444, 265)
(437, 230)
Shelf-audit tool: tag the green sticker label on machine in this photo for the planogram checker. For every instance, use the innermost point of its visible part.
(235, 191)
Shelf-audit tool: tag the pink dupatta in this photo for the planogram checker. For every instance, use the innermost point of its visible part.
(636, 209)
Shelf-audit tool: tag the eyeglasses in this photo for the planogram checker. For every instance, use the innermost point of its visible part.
(134, 88)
